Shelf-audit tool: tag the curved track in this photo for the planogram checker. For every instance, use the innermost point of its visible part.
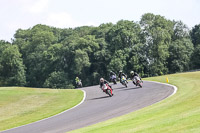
(99, 107)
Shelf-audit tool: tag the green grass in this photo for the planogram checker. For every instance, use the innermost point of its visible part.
(20, 105)
(177, 114)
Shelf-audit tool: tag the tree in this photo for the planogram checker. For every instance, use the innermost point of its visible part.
(137, 60)
(101, 31)
(180, 54)
(195, 35)
(32, 44)
(12, 68)
(157, 31)
(124, 34)
(180, 31)
(180, 49)
(81, 60)
(195, 59)
(154, 46)
(58, 80)
(118, 62)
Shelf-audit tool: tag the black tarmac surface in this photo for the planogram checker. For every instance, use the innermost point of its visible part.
(98, 107)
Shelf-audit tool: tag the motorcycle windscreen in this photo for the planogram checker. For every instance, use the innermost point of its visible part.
(123, 78)
(105, 87)
(113, 77)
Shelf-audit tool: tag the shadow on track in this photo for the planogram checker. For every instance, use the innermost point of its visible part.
(119, 88)
(99, 98)
(126, 89)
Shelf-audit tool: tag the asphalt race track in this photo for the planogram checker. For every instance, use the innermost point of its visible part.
(99, 107)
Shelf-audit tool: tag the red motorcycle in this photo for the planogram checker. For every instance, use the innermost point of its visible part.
(106, 88)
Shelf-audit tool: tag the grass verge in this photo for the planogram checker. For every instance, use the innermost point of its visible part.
(179, 113)
(20, 105)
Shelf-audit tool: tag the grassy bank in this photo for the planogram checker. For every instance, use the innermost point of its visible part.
(177, 114)
(19, 106)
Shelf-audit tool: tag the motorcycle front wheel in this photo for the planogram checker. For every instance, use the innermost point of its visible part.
(126, 85)
(109, 92)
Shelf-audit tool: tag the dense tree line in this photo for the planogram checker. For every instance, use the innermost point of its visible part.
(45, 56)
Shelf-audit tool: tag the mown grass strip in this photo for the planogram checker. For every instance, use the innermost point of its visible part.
(19, 105)
(179, 113)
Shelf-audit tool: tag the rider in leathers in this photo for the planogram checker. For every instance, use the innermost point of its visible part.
(102, 82)
(120, 76)
(133, 75)
(78, 81)
(111, 74)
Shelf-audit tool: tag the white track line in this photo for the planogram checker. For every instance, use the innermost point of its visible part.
(174, 87)
(53, 115)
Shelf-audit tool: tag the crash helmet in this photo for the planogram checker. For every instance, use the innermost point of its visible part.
(101, 80)
(132, 72)
(120, 71)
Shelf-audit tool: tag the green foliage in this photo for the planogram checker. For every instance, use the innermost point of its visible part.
(43, 54)
(196, 58)
(195, 35)
(81, 60)
(58, 80)
(180, 55)
(157, 31)
(180, 30)
(137, 60)
(12, 69)
(118, 62)
(124, 34)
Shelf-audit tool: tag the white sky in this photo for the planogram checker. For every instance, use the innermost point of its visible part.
(24, 14)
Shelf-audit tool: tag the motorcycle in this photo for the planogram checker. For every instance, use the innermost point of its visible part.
(124, 81)
(138, 82)
(106, 88)
(79, 84)
(113, 79)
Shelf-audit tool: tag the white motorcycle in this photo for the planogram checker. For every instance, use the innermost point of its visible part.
(137, 81)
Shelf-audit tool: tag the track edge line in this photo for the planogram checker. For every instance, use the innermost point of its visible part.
(84, 96)
(174, 87)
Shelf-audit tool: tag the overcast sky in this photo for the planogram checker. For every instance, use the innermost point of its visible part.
(24, 14)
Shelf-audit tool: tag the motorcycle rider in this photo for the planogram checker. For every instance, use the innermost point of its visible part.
(133, 76)
(77, 80)
(111, 74)
(102, 82)
(120, 76)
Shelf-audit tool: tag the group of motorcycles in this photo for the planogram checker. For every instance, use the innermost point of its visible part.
(108, 90)
(124, 81)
